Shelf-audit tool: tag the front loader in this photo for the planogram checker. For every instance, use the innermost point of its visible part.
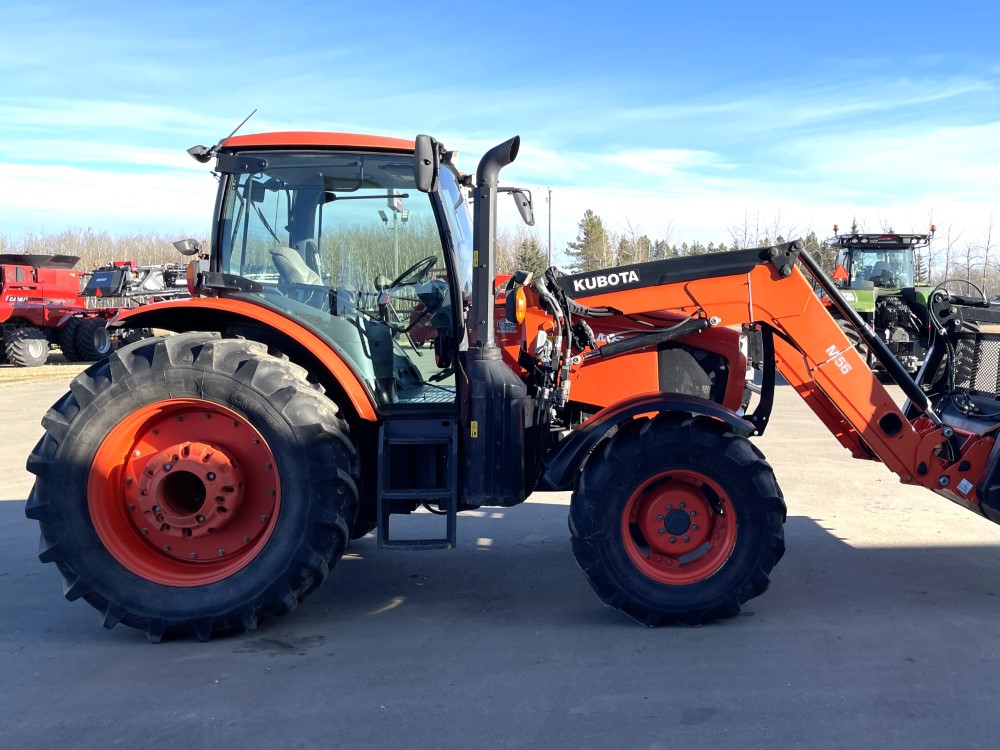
(201, 481)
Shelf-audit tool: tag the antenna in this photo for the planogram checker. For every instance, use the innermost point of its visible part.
(203, 154)
(240, 125)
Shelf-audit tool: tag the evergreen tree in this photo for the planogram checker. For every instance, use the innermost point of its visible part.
(530, 256)
(919, 268)
(662, 250)
(590, 250)
(626, 253)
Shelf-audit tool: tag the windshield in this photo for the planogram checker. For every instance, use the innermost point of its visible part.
(885, 268)
(345, 243)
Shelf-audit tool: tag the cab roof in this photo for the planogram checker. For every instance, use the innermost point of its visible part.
(296, 139)
(883, 240)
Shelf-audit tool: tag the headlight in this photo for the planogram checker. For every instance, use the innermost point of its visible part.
(848, 296)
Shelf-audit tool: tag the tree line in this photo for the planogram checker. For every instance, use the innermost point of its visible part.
(951, 254)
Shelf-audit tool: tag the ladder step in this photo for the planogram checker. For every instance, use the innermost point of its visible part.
(406, 440)
(401, 441)
(417, 544)
(433, 494)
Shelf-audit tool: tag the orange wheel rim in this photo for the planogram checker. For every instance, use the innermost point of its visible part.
(679, 527)
(184, 492)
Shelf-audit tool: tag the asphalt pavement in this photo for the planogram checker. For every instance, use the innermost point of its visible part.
(879, 630)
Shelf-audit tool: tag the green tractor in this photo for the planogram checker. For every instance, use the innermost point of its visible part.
(876, 275)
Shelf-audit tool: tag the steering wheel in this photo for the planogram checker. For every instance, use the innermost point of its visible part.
(418, 271)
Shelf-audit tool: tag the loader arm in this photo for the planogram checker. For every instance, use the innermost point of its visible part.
(768, 288)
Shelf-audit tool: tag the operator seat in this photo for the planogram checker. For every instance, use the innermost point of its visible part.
(878, 269)
(292, 268)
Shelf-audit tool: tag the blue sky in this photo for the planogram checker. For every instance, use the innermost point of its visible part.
(678, 119)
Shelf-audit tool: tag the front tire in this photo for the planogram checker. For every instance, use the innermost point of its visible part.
(193, 484)
(26, 347)
(677, 520)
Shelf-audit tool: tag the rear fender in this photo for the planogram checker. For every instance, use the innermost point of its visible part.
(298, 342)
(562, 465)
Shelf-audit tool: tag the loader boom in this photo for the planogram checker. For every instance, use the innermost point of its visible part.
(811, 351)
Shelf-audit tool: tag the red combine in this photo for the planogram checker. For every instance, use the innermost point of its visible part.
(41, 305)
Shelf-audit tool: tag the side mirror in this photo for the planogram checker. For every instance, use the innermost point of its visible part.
(426, 163)
(188, 247)
(524, 207)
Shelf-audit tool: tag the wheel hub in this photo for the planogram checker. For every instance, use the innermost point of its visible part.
(36, 348)
(186, 491)
(677, 521)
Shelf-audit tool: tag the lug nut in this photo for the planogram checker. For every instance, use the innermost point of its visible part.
(222, 553)
(694, 527)
(659, 518)
(682, 505)
(263, 519)
(662, 530)
(145, 531)
(166, 547)
(687, 538)
(673, 539)
(200, 519)
(167, 467)
(246, 540)
(944, 481)
(694, 513)
(210, 476)
(669, 506)
(194, 555)
(131, 506)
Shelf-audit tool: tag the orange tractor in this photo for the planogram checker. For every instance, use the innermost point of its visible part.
(198, 482)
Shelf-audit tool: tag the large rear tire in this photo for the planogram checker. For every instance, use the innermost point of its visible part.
(677, 521)
(67, 340)
(26, 346)
(93, 342)
(193, 484)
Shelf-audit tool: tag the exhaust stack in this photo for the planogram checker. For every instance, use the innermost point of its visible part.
(484, 247)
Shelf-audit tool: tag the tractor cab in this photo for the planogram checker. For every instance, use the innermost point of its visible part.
(341, 241)
(881, 261)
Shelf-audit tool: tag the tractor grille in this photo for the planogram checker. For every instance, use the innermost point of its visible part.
(977, 363)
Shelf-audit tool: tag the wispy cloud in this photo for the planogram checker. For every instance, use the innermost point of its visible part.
(660, 117)
(41, 197)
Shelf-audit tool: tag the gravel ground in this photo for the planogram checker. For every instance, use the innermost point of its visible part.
(879, 630)
(57, 368)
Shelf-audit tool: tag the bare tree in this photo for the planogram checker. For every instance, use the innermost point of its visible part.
(754, 232)
(989, 275)
(949, 255)
(746, 234)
